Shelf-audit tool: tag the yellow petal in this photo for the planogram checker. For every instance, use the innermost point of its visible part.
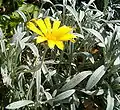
(40, 39)
(47, 23)
(33, 28)
(51, 44)
(64, 30)
(41, 25)
(66, 37)
(56, 25)
(60, 45)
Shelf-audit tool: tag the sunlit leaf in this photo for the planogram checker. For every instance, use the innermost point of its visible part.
(95, 77)
(48, 95)
(81, 15)
(110, 101)
(19, 104)
(64, 95)
(76, 80)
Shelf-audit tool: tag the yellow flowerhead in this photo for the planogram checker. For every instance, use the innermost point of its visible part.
(53, 34)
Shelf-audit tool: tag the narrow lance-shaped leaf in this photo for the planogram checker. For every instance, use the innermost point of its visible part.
(76, 80)
(110, 101)
(19, 104)
(95, 78)
(64, 95)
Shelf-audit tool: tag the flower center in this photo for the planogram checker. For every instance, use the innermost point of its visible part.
(50, 36)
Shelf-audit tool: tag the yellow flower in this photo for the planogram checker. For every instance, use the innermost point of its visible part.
(53, 34)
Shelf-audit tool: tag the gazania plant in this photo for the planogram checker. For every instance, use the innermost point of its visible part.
(59, 55)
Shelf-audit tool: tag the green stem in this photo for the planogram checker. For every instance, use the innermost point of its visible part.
(32, 82)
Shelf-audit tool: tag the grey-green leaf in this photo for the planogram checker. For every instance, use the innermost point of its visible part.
(76, 80)
(96, 76)
(110, 101)
(81, 15)
(19, 104)
(48, 95)
(64, 95)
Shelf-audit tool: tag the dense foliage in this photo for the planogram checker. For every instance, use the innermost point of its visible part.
(85, 75)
